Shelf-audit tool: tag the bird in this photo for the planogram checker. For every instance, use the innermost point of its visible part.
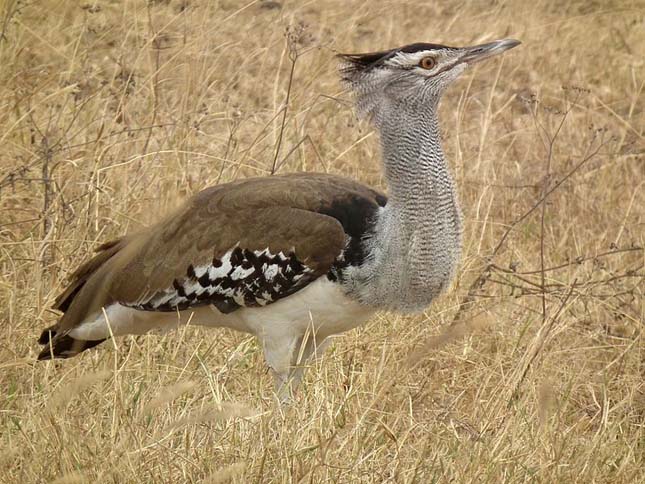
(294, 259)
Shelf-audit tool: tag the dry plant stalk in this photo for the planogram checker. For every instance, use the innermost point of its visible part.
(71, 478)
(69, 390)
(224, 411)
(226, 474)
(168, 394)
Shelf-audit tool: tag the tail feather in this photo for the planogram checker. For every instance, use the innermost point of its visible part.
(79, 277)
(47, 335)
(64, 346)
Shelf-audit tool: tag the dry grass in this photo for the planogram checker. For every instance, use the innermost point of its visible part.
(112, 112)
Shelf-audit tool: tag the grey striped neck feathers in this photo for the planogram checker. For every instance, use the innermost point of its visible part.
(415, 243)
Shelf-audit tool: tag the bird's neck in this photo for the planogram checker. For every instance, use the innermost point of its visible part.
(417, 239)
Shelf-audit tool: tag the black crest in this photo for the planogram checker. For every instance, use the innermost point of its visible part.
(373, 59)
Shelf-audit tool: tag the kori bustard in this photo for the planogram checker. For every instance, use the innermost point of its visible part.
(294, 259)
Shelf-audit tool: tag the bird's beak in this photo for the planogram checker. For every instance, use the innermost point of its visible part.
(478, 53)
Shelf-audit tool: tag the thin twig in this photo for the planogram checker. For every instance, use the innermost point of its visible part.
(547, 177)
(540, 341)
(576, 261)
(154, 78)
(485, 273)
(293, 57)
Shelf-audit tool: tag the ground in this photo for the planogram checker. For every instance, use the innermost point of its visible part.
(529, 369)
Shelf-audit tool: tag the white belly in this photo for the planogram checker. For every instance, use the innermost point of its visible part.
(322, 306)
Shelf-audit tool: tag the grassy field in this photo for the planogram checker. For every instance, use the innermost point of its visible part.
(530, 369)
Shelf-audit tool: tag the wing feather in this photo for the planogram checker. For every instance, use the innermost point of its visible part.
(284, 216)
(287, 250)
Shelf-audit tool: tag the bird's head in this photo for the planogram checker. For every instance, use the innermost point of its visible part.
(411, 76)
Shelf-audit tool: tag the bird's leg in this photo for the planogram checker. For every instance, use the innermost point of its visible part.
(287, 359)
(278, 354)
(306, 347)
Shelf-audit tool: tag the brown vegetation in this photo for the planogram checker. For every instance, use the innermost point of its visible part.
(530, 368)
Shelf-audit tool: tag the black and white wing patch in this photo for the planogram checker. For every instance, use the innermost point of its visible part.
(240, 278)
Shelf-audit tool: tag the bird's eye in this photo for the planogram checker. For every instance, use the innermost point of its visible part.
(427, 63)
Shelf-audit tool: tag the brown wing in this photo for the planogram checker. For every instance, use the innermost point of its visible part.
(265, 224)
(255, 258)
(79, 277)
